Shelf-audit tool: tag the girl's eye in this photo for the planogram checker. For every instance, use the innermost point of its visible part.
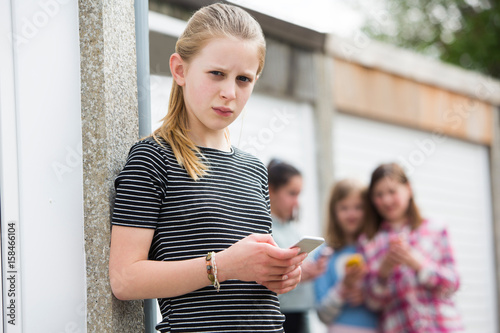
(217, 73)
(243, 78)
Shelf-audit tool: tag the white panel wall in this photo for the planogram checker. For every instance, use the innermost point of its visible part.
(451, 181)
(48, 133)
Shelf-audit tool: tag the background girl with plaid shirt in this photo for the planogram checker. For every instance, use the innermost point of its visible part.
(411, 270)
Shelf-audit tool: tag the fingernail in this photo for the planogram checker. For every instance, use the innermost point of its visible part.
(285, 277)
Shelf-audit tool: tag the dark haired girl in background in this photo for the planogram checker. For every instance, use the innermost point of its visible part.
(285, 185)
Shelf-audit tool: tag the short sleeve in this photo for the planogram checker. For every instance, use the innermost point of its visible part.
(140, 188)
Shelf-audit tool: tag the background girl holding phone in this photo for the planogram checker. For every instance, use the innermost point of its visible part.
(411, 269)
(285, 185)
(339, 293)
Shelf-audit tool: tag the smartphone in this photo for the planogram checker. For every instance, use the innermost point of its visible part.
(308, 243)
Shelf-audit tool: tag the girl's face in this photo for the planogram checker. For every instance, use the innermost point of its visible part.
(349, 212)
(217, 82)
(391, 199)
(285, 199)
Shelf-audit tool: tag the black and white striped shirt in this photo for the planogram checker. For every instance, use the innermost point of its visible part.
(192, 218)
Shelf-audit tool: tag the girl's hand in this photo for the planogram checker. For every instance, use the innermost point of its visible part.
(353, 275)
(351, 285)
(388, 263)
(395, 256)
(353, 296)
(313, 269)
(288, 283)
(403, 255)
(258, 258)
(399, 254)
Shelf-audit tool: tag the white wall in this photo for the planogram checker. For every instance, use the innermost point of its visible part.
(451, 181)
(48, 133)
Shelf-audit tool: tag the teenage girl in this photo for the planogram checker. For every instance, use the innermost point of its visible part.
(285, 185)
(411, 270)
(339, 294)
(191, 222)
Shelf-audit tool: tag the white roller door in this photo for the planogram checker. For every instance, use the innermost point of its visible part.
(451, 181)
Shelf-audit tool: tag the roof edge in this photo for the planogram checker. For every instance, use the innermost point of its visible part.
(405, 63)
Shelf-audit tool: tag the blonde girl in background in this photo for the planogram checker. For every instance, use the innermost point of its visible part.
(191, 222)
(411, 269)
(339, 293)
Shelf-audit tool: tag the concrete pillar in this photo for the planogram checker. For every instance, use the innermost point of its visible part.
(324, 115)
(109, 126)
(495, 187)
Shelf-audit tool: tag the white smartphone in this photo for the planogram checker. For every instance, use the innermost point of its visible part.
(308, 243)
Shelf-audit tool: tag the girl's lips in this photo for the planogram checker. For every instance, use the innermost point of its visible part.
(222, 111)
(389, 209)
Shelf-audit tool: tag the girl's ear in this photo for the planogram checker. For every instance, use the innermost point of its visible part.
(178, 69)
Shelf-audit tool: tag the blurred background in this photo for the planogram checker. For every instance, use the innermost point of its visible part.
(350, 85)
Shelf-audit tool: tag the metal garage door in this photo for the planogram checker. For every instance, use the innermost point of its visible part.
(451, 180)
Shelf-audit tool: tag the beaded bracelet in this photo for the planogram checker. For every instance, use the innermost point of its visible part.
(212, 270)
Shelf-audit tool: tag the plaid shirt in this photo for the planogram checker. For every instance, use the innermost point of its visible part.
(413, 302)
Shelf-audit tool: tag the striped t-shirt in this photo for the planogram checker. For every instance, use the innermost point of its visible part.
(192, 218)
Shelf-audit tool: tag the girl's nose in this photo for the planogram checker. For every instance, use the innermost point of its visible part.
(228, 90)
(386, 200)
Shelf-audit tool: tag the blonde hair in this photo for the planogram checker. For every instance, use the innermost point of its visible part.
(210, 22)
(335, 236)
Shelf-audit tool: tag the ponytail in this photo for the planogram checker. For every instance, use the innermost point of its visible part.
(175, 130)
